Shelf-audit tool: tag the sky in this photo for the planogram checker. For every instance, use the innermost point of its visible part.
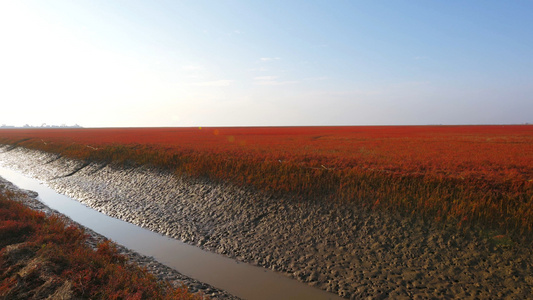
(265, 63)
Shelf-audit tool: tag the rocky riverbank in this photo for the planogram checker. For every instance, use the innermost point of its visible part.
(348, 251)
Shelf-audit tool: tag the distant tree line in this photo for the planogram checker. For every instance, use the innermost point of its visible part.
(44, 125)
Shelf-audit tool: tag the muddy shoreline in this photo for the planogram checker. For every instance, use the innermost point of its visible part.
(342, 249)
(161, 271)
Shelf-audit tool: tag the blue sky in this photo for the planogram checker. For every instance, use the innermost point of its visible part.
(249, 63)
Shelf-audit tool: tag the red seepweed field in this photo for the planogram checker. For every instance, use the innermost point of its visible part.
(42, 257)
(465, 174)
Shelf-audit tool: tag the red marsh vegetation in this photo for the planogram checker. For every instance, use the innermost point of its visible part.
(463, 174)
(44, 258)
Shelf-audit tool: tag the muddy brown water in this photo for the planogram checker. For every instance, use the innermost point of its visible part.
(240, 279)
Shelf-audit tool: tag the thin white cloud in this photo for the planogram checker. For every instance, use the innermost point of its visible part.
(223, 82)
(316, 78)
(193, 71)
(410, 84)
(277, 82)
(269, 59)
(234, 32)
(261, 69)
(266, 78)
(272, 80)
(192, 68)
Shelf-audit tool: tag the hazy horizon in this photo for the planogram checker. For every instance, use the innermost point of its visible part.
(275, 63)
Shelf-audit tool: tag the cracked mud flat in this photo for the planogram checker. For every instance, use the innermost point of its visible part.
(341, 249)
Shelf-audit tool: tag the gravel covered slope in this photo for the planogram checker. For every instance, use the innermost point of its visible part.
(341, 249)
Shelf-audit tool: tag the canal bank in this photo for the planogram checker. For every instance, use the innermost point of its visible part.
(351, 252)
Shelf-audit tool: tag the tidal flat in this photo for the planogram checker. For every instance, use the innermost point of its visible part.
(340, 248)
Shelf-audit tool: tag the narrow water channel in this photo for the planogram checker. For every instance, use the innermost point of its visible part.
(240, 279)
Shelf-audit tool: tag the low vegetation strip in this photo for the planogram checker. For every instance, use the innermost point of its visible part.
(461, 174)
(341, 248)
(43, 258)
